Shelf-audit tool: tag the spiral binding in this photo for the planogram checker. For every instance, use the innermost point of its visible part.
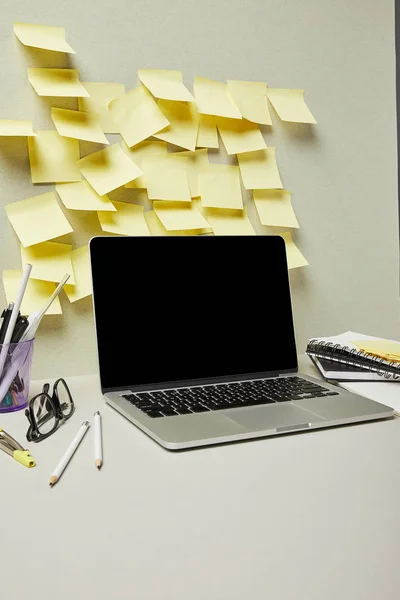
(357, 358)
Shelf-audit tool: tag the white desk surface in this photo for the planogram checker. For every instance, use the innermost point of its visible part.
(311, 516)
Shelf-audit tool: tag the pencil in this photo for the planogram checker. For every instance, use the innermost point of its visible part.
(56, 474)
(98, 445)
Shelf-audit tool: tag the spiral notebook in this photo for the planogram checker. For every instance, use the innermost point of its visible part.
(339, 359)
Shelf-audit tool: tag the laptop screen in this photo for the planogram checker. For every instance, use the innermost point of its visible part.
(182, 309)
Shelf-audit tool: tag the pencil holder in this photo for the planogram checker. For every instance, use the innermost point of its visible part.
(15, 375)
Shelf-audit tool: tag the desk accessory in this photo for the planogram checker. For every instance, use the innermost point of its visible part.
(16, 372)
(6, 315)
(9, 445)
(98, 444)
(45, 412)
(338, 358)
(56, 474)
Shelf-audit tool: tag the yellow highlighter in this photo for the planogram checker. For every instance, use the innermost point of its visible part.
(14, 449)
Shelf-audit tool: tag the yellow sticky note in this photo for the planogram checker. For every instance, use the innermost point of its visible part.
(167, 178)
(37, 219)
(176, 217)
(78, 125)
(184, 124)
(220, 187)
(50, 261)
(229, 222)
(165, 84)
(57, 82)
(251, 99)
(101, 94)
(139, 153)
(259, 170)
(275, 208)
(294, 256)
(207, 136)
(156, 228)
(83, 275)
(290, 105)
(10, 127)
(108, 169)
(79, 195)
(137, 115)
(36, 295)
(45, 37)
(213, 98)
(240, 136)
(382, 348)
(197, 161)
(127, 220)
(53, 158)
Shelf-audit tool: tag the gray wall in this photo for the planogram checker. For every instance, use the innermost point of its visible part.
(342, 173)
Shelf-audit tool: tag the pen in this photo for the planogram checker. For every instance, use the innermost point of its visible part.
(56, 474)
(19, 329)
(14, 315)
(6, 314)
(98, 446)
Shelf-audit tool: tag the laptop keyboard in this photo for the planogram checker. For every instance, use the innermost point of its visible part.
(185, 401)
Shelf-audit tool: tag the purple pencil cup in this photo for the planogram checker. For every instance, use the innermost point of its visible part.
(15, 377)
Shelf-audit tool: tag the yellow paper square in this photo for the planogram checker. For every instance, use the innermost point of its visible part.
(240, 136)
(43, 36)
(53, 158)
(108, 169)
(156, 228)
(101, 94)
(207, 136)
(167, 178)
(383, 348)
(165, 84)
(80, 195)
(78, 125)
(137, 115)
(9, 127)
(184, 124)
(37, 219)
(294, 256)
(50, 261)
(139, 153)
(213, 98)
(220, 187)
(259, 170)
(36, 295)
(83, 275)
(251, 99)
(290, 105)
(127, 220)
(176, 217)
(57, 82)
(275, 208)
(197, 161)
(229, 222)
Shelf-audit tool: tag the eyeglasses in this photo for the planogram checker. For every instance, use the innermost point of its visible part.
(45, 412)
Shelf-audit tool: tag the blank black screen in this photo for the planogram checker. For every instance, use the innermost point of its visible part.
(186, 308)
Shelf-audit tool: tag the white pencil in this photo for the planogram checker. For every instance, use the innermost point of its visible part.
(14, 314)
(56, 474)
(98, 444)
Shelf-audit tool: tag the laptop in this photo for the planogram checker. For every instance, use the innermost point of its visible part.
(196, 342)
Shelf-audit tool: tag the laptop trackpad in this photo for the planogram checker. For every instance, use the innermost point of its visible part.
(272, 416)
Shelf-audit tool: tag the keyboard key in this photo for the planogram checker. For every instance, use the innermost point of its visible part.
(154, 414)
(169, 412)
(197, 408)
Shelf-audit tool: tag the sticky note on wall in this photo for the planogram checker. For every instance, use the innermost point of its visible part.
(139, 153)
(83, 275)
(229, 222)
(183, 124)
(78, 125)
(165, 84)
(36, 294)
(128, 219)
(80, 195)
(213, 98)
(207, 135)
(53, 158)
(108, 169)
(179, 216)
(240, 136)
(9, 127)
(259, 170)
(290, 105)
(57, 82)
(37, 219)
(275, 208)
(101, 94)
(251, 99)
(220, 187)
(294, 256)
(137, 116)
(45, 37)
(50, 261)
